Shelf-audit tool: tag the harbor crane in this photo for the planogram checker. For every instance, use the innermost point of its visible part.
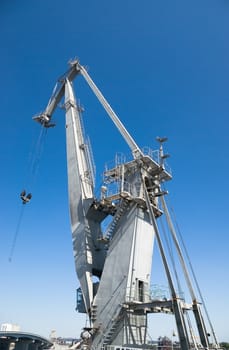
(113, 264)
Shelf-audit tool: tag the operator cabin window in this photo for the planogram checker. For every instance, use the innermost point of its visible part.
(140, 290)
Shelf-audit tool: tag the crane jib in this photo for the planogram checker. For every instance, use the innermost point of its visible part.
(45, 117)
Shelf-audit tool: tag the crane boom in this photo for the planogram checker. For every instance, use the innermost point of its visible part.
(130, 141)
(45, 117)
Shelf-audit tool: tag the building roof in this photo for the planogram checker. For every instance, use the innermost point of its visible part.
(7, 337)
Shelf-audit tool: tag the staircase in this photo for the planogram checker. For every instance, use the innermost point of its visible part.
(119, 213)
(113, 331)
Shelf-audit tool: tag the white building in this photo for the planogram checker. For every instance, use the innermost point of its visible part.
(9, 327)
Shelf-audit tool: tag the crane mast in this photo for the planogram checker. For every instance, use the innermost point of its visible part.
(113, 261)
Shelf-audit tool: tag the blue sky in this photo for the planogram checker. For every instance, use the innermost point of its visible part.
(163, 66)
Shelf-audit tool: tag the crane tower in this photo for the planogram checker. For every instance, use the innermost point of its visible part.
(113, 261)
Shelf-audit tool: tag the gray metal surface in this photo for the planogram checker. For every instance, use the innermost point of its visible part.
(113, 261)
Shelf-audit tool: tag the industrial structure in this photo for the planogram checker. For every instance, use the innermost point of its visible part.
(113, 236)
(16, 340)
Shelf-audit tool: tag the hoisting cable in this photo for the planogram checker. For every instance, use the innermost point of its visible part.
(33, 170)
(36, 157)
(194, 276)
(16, 233)
(33, 159)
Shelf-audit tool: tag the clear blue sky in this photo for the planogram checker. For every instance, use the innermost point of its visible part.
(164, 67)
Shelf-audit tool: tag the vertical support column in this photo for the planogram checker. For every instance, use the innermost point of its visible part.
(196, 309)
(178, 311)
(80, 194)
(200, 325)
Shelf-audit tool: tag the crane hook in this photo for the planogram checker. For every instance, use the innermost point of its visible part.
(25, 198)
